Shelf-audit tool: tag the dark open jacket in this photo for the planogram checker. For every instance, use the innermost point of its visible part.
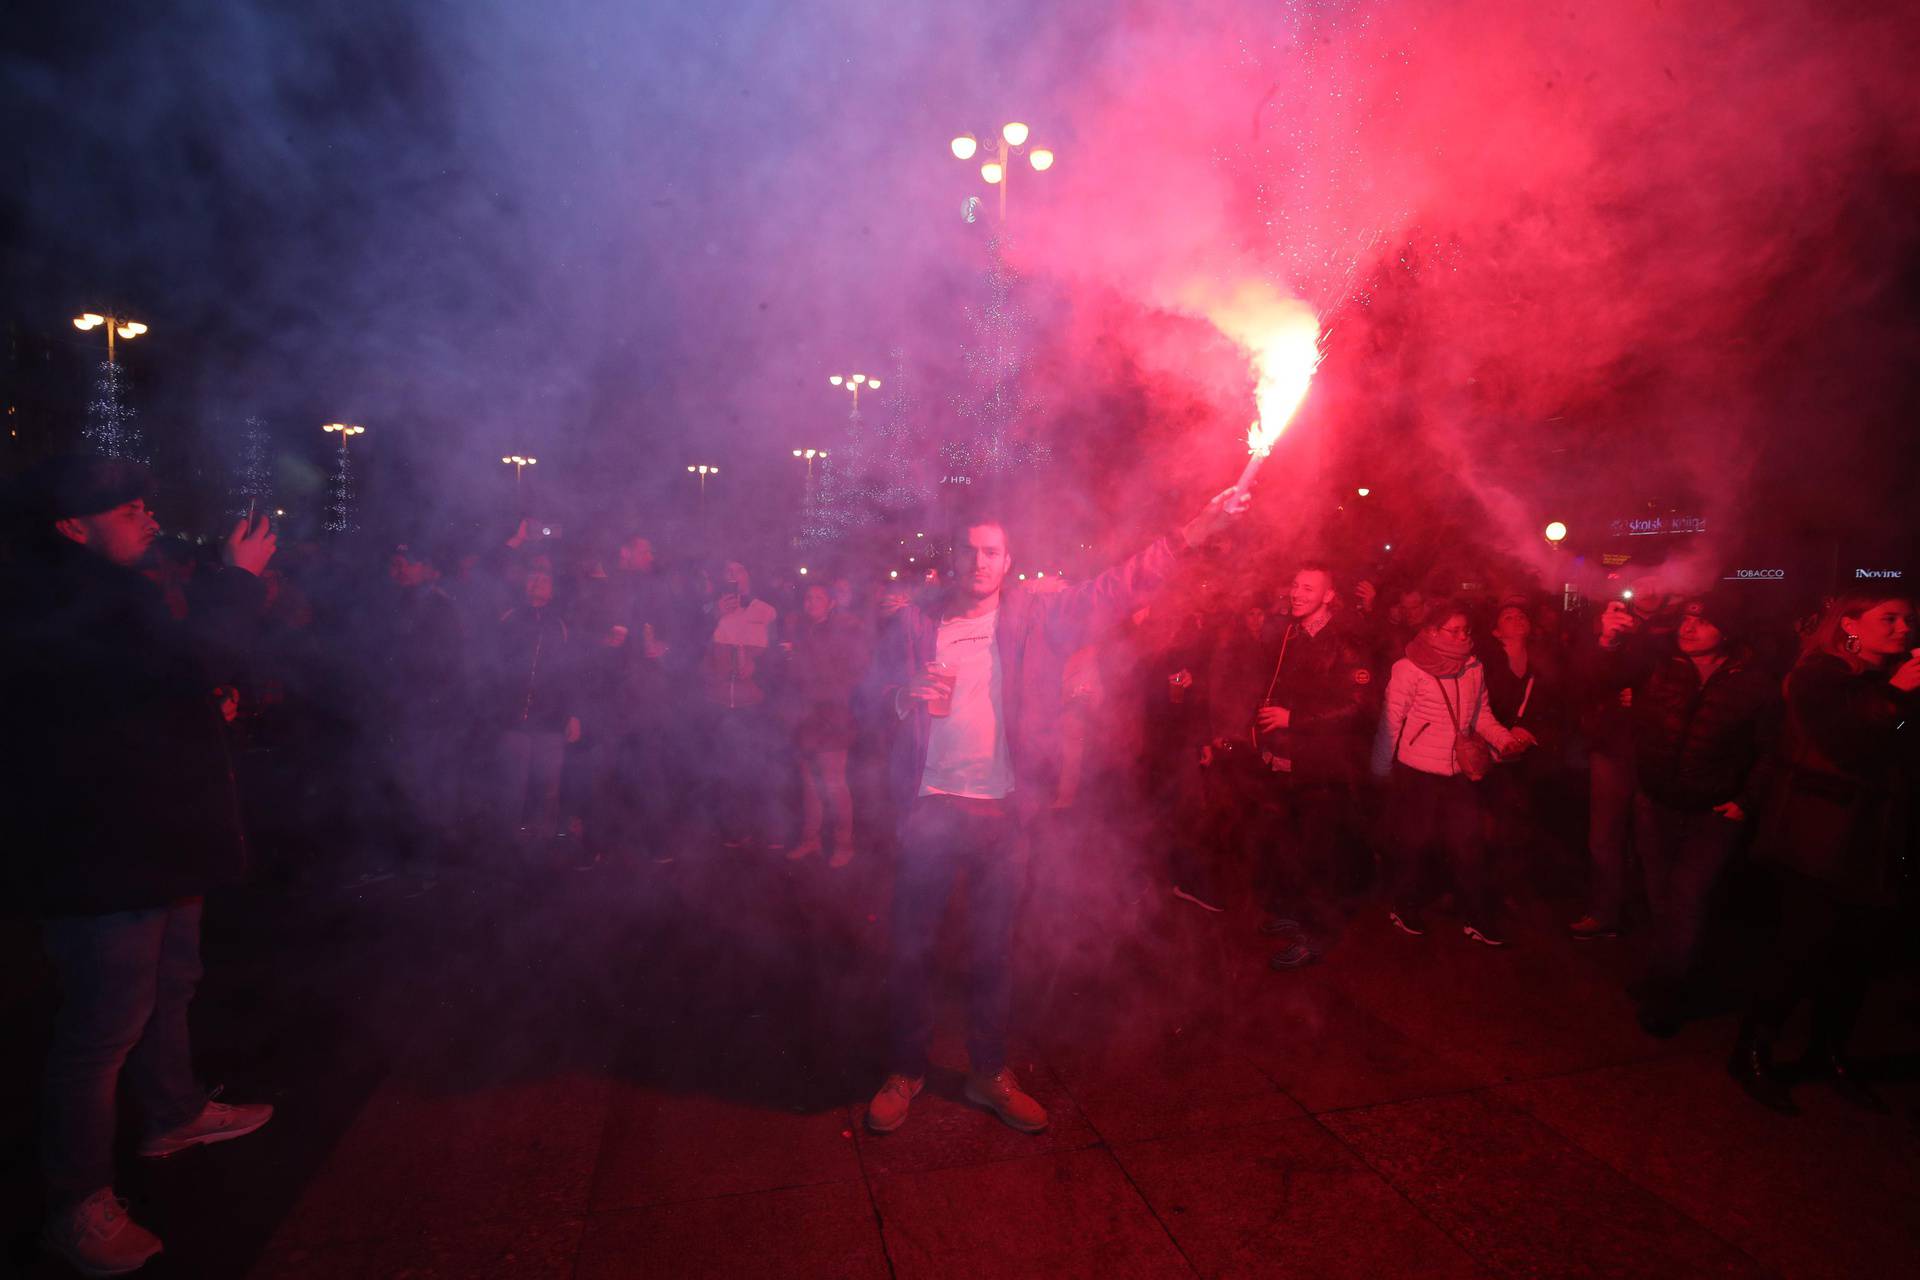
(1035, 634)
(1325, 682)
(1696, 744)
(533, 676)
(119, 790)
(1842, 792)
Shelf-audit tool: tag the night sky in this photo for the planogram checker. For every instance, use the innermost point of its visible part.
(1570, 263)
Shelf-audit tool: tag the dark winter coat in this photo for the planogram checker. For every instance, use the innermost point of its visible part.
(1695, 743)
(828, 661)
(119, 789)
(1842, 791)
(1035, 634)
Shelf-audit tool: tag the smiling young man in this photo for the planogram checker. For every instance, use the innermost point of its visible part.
(969, 684)
(123, 814)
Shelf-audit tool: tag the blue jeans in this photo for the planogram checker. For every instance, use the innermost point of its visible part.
(126, 980)
(946, 837)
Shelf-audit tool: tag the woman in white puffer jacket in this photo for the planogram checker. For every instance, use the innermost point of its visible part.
(1436, 691)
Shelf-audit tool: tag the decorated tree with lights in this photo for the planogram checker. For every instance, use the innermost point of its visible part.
(995, 402)
(252, 488)
(341, 514)
(110, 427)
(872, 473)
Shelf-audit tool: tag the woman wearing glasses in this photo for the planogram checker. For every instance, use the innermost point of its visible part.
(1435, 742)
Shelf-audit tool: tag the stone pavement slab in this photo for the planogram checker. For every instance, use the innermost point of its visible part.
(827, 1230)
(662, 1147)
(1524, 1200)
(1060, 1214)
(1285, 1199)
(1172, 1082)
(1831, 1193)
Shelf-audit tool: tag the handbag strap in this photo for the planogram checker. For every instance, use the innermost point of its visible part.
(1525, 698)
(1451, 713)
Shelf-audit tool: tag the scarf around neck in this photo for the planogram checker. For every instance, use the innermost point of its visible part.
(1438, 654)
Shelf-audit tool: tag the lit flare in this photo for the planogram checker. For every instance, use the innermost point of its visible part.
(1283, 340)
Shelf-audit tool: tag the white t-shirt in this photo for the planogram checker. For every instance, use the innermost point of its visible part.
(967, 750)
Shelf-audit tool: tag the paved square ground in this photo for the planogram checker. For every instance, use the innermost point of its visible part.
(660, 1070)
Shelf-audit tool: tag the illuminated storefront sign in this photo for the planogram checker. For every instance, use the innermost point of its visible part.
(1650, 526)
(1756, 575)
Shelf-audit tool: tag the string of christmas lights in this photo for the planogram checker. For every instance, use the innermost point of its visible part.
(340, 496)
(996, 401)
(252, 489)
(110, 428)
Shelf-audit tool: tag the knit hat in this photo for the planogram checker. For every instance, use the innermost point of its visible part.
(1725, 607)
(71, 485)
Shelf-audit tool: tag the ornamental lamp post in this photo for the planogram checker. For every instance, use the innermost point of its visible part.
(87, 321)
(997, 171)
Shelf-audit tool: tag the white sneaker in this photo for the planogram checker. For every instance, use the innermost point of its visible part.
(217, 1122)
(97, 1238)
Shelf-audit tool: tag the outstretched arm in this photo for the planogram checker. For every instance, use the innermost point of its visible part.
(1101, 602)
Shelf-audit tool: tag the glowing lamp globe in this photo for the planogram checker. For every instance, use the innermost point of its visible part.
(1041, 158)
(873, 382)
(835, 379)
(991, 173)
(1556, 531)
(1015, 133)
(964, 146)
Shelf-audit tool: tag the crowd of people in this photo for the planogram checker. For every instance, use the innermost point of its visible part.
(1306, 742)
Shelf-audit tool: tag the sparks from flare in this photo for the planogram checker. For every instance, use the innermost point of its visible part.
(1285, 344)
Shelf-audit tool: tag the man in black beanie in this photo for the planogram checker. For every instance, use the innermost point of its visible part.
(124, 814)
(1705, 718)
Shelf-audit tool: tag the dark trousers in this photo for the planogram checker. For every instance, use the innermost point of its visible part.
(1825, 950)
(946, 838)
(125, 980)
(1609, 820)
(1297, 834)
(1427, 810)
(1683, 853)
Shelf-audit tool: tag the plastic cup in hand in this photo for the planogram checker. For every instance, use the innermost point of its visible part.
(1177, 685)
(943, 675)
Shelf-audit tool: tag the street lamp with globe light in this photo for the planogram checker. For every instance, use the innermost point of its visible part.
(996, 171)
(87, 321)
